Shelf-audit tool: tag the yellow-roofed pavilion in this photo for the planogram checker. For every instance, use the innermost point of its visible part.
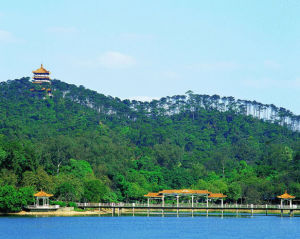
(43, 197)
(286, 197)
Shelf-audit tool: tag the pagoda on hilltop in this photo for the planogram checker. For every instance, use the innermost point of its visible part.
(41, 80)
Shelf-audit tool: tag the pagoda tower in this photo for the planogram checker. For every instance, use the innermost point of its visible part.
(42, 81)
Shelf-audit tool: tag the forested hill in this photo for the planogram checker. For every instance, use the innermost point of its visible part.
(84, 146)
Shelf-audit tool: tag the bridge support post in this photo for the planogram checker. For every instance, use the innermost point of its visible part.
(291, 213)
(266, 209)
(118, 211)
(281, 212)
(252, 210)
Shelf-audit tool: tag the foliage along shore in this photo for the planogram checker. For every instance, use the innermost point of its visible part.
(84, 146)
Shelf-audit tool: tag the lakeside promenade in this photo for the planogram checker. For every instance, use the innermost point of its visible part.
(117, 208)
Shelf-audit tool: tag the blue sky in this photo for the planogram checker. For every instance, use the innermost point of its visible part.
(248, 49)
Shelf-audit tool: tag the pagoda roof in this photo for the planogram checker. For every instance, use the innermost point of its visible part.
(41, 70)
(184, 191)
(42, 194)
(153, 195)
(217, 195)
(286, 196)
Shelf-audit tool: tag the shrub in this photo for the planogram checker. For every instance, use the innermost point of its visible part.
(60, 203)
(72, 204)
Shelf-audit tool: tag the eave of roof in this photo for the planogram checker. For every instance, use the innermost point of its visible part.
(286, 196)
(217, 195)
(42, 194)
(184, 191)
(41, 70)
(153, 195)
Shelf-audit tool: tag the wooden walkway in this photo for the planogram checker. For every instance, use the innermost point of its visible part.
(116, 208)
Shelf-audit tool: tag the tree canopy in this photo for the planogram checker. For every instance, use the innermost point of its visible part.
(84, 146)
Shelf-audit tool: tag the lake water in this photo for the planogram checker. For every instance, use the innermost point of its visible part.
(149, 227)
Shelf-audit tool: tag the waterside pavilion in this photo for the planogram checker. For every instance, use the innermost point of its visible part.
(217, 196)
(161, 195)
(286, 197)
(43, 197)
(41, 202)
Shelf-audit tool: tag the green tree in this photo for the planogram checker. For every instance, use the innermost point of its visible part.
(234, 191)
(95, 191)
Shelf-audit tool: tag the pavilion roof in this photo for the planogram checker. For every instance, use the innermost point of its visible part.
(41, 70)
(42, 194)
(286, 196)
(217, 195)
(153, 195)
(184, 191)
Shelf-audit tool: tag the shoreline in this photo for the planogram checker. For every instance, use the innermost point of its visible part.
(71, 213)
(57, 213)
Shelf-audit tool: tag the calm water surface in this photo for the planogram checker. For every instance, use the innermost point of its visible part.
(149, 227)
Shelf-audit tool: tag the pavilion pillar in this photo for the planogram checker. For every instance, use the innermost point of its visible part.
(148, 202)
(207, 200)
(192, 200)
(177, 200)
(281, 203)
(291, 204)
(222, 204)
(163, 205)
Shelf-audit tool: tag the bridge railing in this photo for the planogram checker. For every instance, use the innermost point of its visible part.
(187, 205)
(42, 207)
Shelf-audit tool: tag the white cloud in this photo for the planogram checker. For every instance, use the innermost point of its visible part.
(115, 60)
(6, 36)
(62, 30)
(215, 66)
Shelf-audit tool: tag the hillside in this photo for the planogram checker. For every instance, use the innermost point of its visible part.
(84, 146)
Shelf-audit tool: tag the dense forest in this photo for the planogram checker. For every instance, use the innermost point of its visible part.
(84, 146)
